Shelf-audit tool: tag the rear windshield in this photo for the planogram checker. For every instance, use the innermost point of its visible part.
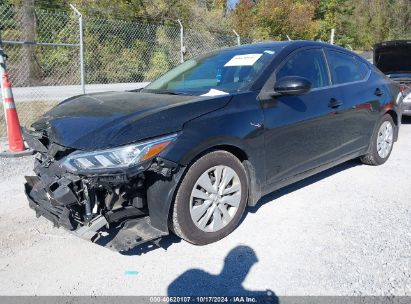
(217, 73)
(394, 59)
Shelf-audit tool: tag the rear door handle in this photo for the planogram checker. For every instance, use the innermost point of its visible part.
(378, 92)
(334, 103)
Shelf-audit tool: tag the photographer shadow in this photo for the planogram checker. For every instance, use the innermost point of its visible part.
(237, 264)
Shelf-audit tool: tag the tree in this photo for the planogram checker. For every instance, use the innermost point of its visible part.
(274, 19)
(28, 22)
(400, 25)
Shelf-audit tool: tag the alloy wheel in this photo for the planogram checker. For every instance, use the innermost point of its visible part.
(385, 139)
(215, 198)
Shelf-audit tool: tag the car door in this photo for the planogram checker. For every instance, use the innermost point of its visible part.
(359, 96)
(301, 132)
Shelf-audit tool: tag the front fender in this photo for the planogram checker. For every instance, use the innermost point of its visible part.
(237, 128)
(161, 189)
(160, 194)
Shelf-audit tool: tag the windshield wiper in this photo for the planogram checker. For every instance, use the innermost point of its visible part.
(171, 92)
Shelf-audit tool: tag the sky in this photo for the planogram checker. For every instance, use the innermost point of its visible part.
(232, 3)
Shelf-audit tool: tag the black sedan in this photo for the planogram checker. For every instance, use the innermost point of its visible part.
(190, 151)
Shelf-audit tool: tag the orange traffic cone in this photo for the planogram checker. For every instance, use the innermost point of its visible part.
(15, 138)
(14, 135)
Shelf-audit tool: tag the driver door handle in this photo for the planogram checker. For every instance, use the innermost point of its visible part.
(334, 103)
(378, 92)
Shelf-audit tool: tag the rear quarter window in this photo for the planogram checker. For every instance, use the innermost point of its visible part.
(364, 69)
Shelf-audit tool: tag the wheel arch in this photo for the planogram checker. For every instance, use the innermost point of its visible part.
(233, 149)
(162, 191)
(254, 188)
(395, 117)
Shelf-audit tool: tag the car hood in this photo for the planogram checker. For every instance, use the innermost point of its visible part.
(104, 120)
(393, 57)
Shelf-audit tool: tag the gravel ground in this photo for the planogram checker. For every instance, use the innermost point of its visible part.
(346, 231)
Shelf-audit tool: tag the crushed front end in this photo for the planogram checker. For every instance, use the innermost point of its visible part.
(133, 199)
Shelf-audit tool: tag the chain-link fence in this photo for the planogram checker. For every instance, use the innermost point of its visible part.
(51, 58)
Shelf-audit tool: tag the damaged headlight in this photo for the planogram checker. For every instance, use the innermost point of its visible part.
(121, 157)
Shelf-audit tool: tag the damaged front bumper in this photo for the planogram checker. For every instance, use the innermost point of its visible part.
(53, 207)
(132, 206)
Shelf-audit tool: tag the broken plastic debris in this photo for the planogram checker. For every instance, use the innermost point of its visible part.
(131, 272)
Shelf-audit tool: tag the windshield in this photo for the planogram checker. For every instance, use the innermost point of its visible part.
(217, 73)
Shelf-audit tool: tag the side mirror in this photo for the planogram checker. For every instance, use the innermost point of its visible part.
(292, 85)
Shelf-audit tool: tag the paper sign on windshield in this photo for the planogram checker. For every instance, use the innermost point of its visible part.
(214, 92)
(242, 60)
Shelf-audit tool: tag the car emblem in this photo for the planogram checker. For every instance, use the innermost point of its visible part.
(257, 125)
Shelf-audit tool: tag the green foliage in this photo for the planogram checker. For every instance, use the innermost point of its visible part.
(358, 24)
(380, 20)
(274, 19)
(165, 54)
(159, 64)
(138, 40)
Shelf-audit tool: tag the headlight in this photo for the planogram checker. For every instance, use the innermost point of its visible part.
(121, 157)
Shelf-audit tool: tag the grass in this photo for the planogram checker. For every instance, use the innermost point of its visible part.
(28, 113)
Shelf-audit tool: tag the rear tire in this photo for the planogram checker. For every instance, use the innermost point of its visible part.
(210, 199)
(382, 142)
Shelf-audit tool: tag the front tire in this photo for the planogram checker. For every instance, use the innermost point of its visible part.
(210, 199)
(381, 143)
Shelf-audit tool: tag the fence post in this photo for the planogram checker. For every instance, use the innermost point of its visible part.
(332, 36)
(182, 48)
(82, 72)
(238, 37)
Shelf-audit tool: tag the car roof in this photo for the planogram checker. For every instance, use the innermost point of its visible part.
(286, 44)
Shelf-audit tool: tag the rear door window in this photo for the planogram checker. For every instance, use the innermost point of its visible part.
(344, 67)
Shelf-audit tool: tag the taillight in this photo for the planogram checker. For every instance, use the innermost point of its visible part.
(402, 88)
(405, 88)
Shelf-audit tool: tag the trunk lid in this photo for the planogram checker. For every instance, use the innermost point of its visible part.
(393, 58)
